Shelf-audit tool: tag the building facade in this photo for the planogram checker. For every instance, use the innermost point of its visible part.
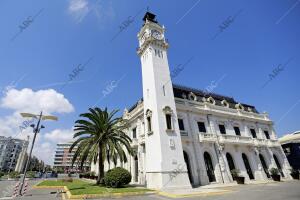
(63, 158)
(186, 137)
(10, 150)
(291, 147)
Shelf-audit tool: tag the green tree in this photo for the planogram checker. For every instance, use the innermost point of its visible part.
(100, 136)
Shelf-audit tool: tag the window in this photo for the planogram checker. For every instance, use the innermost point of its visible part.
(134, 133)
(168, 121)
(149, 124)
(267, 134)
(237, 130)
(253, 133)
(222, 129)
(201, 127)
(181, 124)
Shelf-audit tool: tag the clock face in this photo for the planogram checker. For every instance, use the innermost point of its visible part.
(156, 34)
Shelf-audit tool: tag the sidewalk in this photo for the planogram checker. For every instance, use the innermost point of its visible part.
(212, 189)
(38, 194)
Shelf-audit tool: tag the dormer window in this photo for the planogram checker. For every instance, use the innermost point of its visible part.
(192, 96)
(225, 103)
(239, 106)
(211, 100)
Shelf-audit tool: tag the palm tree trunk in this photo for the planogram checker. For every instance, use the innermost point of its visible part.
(100, 167)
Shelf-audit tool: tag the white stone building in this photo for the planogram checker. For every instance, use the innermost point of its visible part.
(10, 149)
(186, 137)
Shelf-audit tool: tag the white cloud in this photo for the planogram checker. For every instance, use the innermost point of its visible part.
(59, 135)
(79, 9)
(26, 100)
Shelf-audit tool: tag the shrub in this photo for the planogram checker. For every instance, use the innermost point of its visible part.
(30, 174)
(235, 173)
(274, 171)
(293, 171)
(14, 175)
(117, 177)
(1, 174)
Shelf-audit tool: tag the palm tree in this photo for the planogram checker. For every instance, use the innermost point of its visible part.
(99, 137)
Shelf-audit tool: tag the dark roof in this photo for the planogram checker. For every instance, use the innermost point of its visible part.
(181, 91)
(150, 17)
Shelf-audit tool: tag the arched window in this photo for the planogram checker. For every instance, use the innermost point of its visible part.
(187, 162)
(264, 165)
(209, 167)
(247, 166)
(230, 163)
(136, 169)
(278, 165)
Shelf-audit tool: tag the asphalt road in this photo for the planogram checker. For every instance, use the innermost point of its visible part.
(271, 191)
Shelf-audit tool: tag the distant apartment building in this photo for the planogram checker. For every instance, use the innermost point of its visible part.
(10, 150)
(63, 158)
(291, 147)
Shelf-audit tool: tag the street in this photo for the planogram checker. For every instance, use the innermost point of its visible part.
(271, 191)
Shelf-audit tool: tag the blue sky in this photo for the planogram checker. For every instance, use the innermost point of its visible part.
(62, 35)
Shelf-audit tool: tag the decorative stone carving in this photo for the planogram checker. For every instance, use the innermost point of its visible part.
(148, 113)
(167, 110)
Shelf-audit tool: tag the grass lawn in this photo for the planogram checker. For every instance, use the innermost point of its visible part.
(79, 187)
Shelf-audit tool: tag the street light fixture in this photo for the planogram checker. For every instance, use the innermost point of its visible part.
(36, 130)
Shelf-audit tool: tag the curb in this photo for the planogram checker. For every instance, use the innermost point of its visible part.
(68, 194)
(195, 194)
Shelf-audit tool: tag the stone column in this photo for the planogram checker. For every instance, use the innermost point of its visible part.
(259, 174)
(224, 166)
(200, 178)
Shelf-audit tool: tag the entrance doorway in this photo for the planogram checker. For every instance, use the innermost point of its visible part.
(209, 167)
(136, 169)
(230, 163)
(263, 162)
(187, 162)
(247, 166)
(278, 165)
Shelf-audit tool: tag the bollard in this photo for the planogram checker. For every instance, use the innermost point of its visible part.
(16, 189)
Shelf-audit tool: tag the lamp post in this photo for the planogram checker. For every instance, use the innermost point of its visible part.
(36, 130)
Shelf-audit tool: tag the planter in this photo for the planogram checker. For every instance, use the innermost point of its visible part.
(240, 180)
(275, 177)
(295, 176)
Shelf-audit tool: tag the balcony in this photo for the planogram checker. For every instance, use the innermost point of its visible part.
(234, 139)
(273, 143)
(205, 137)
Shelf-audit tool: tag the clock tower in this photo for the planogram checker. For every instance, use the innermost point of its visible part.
(165, 165)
